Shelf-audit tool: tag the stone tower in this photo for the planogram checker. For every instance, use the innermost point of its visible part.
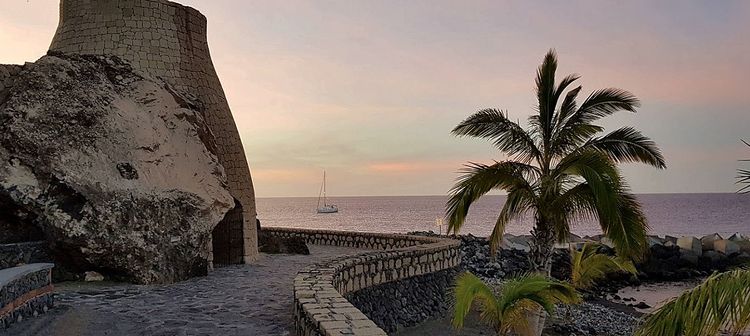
(169, 41)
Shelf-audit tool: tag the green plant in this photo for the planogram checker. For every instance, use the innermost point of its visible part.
(559, 170)
(743, 176)
(720, 304)
(508, 309)
(588, 266)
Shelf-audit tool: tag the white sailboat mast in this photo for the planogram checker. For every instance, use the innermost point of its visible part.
(325, 202)
(320, 193)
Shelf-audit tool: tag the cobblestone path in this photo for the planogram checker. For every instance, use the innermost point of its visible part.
(235, 300)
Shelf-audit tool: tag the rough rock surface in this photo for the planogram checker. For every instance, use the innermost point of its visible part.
(12, 255)
(288, 245)
(477, 258)
(401, 304)
(111, 166)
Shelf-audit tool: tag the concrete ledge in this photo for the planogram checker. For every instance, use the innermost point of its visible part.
(25, 291)
(320, 307)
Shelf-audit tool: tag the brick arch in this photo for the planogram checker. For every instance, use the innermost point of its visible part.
(169, 41)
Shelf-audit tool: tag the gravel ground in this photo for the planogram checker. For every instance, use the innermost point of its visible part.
(236, 300)
(592, 319)
(584, 319)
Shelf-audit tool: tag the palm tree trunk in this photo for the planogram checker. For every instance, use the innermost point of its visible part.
(542, 247)
(540, 260)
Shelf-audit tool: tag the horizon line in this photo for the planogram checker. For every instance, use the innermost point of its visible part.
(445, 195)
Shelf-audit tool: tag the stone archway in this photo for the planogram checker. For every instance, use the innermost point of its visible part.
(227, 243)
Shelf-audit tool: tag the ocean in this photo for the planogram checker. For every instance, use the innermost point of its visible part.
(668, 214)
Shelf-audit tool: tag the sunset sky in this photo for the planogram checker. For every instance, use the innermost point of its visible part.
(369, 90)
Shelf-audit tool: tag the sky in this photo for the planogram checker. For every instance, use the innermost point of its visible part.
(369, 90)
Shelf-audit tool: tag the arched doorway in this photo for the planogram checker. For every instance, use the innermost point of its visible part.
(227, 238)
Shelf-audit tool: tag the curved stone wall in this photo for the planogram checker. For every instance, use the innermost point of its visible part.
(320, 291)
(25, 291)
(166, 40)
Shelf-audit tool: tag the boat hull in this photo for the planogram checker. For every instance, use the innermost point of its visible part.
(328, 210)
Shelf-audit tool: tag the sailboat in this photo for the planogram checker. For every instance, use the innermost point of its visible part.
(326, 208)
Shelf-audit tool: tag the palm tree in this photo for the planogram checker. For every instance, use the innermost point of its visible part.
(507, 311)
(559, 170)
(588, 266)
(720, 303)
(744, 176)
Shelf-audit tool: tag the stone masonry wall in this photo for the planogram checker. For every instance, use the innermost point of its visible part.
(362, 240)
(25, 291)
(411, 300)
(166, 40)
(320, 291)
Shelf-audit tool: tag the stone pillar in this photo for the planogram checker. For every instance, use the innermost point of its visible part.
(166, 40)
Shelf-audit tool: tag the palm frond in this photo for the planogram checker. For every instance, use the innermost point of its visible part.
(517, 203)
(628, 145)
(600, 174)
(508, 309)
(578, 126)
(604, 102)
(628, 231)
(506, 134)
(720, 303)
(545, 90)
(606, 197)
(589, 266)
(743, 176)
(568, 106)
(479, 179)
(468, 289)
(537, 289)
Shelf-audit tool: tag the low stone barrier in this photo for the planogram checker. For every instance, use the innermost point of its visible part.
(25, 291)
(409, 301)
(12, 255)
(321, 306)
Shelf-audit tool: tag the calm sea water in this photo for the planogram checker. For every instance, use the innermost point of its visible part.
(673, 214)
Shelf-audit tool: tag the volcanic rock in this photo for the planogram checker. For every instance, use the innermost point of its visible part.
(92, 276)
(112, 167)
(288, 245)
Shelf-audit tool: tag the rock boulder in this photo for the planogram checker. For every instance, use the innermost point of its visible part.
(111, 165)
(726, 247)
(690, 245)
(707, 241)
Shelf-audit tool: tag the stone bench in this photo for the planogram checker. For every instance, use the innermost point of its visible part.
(25, 291)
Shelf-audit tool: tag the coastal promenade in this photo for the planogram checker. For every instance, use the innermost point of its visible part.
(235, 300)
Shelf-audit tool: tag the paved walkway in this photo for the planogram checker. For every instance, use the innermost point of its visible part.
(235, 300)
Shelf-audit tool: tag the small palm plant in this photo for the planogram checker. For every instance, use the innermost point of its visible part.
(508, 310)
(589, 266)
(720, 304)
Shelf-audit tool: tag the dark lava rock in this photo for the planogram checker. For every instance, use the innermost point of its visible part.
(642, 305)
(477, 259)
(274, 244)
